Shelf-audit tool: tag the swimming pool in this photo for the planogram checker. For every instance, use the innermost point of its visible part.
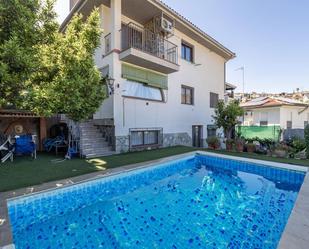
(194, 202)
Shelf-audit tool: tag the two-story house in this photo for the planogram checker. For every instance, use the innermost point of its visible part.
(166, 76)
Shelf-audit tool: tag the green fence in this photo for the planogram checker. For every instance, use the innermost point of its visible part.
(271, 132)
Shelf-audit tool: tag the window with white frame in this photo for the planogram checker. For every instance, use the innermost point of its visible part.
(289, 124)
(264, 119)
(187, 95)
(214, 99)
(142, 91)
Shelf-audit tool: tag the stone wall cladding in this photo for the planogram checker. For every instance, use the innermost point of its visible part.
(122, 144)
(172, 139)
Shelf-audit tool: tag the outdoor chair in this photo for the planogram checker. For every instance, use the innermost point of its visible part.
(6, 148)
(25, 145)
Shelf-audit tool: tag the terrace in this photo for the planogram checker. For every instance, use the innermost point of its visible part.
(23, 173)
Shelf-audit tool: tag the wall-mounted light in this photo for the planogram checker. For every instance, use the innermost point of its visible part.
(110, 83)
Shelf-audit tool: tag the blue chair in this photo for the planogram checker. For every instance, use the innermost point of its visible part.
(25, 145)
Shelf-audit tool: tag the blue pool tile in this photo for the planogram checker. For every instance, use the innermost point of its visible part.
(195, 202)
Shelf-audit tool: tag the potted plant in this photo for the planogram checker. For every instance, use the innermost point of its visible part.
(213, 143)
(250, 147)
(280, 150)
(239, 145)
(229, 144)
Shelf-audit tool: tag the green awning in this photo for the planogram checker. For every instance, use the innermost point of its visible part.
(144, 76)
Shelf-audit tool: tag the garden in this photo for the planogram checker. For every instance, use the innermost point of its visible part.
(227, 118)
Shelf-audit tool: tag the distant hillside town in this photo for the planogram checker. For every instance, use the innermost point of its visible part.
(301, 96)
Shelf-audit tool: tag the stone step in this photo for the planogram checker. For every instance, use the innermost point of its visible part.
(94, 144)
(97, 153)
(94, 135)
(89, 156)
(87, 132)
(96, 147)
(100, 139)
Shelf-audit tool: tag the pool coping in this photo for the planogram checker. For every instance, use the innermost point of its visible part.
(295, 235)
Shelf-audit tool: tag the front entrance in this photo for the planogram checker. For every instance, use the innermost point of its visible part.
(197, 136)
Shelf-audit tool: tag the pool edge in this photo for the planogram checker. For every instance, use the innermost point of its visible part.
(296, 222)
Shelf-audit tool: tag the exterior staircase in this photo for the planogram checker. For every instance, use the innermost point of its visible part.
(92, 142)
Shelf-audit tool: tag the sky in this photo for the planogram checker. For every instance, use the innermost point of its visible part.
(269, 37)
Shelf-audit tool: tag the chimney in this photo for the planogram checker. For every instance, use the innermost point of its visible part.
(72, 3)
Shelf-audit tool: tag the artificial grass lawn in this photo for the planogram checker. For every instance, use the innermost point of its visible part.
(25, 171)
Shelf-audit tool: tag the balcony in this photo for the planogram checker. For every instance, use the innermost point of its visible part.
(146, 49)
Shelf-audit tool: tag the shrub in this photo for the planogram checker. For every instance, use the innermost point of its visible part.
(213, 142)
(307, 140)
(280, 150)
(298, 144)
(250, 147)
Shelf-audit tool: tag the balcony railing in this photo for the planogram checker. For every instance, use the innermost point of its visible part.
(107, 41)
(134, 36)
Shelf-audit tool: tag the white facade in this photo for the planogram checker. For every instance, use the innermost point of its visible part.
(205, 74)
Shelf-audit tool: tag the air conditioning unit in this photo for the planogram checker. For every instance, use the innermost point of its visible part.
(166, 25)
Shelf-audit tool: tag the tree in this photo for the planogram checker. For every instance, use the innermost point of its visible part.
(58, 74)
(226, 116)
(23, 25)
(68, 80)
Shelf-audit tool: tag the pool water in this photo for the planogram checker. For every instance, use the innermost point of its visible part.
(195, 202)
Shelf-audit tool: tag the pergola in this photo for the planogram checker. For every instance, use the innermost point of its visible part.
(18, 117)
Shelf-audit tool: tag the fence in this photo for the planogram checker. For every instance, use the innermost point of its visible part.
(134, 36)
(263, 132)
(291, 133)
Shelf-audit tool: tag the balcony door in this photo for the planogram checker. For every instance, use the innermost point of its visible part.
(131, 36)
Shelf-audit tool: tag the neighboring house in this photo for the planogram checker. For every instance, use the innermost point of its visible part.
(168, 76)
(289, 114)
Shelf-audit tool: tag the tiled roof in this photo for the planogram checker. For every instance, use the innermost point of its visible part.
(16, 113)
(271, 101)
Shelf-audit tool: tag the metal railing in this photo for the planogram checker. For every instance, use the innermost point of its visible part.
(134, 36)
(107, 42)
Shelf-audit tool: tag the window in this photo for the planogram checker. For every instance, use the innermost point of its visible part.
(263, 123)
(187, 95)
(289, 124)
(144, 138)
(211, 131)
(186, 52)
(142, 91)
(263, 118)
(214, 99)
